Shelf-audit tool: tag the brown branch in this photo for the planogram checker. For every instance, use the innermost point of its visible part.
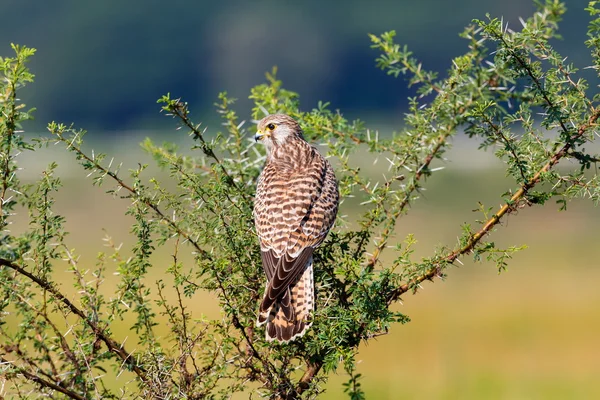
(16, 349)
(111, 344)
(238, 325)
(509, 207)
(312, 371)
(367, 224)
(343, 135)
(42, 382)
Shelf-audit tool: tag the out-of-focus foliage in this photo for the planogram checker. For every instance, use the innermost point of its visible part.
(508, 82)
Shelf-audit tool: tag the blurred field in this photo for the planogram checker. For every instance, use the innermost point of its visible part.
(528, 333)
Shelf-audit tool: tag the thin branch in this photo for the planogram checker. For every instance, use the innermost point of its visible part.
(137, 195)
(16, 349)
(399, 207)
(111, 344)
(566, 74)
(180, 110)
(507, 144)
(42, 382)
(509, 207)
(63, 343)
(523, 64)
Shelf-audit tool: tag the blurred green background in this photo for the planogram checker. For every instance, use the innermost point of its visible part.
(529, 333)
(103, 64)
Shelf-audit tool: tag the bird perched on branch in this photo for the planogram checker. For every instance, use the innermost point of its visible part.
(295, 206)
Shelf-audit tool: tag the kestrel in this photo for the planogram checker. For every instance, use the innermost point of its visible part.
(295, 206)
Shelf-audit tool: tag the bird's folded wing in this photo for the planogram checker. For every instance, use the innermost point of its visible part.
(286, 271)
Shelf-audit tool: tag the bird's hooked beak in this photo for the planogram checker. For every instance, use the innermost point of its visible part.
(260, 135)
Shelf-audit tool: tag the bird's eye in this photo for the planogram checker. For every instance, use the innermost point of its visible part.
(271, 126)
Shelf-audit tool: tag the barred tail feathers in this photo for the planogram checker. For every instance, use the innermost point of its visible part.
(290, 317)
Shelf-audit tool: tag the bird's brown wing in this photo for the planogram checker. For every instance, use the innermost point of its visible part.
(287, 272)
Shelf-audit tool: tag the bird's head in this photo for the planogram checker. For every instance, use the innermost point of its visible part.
(276, 129)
